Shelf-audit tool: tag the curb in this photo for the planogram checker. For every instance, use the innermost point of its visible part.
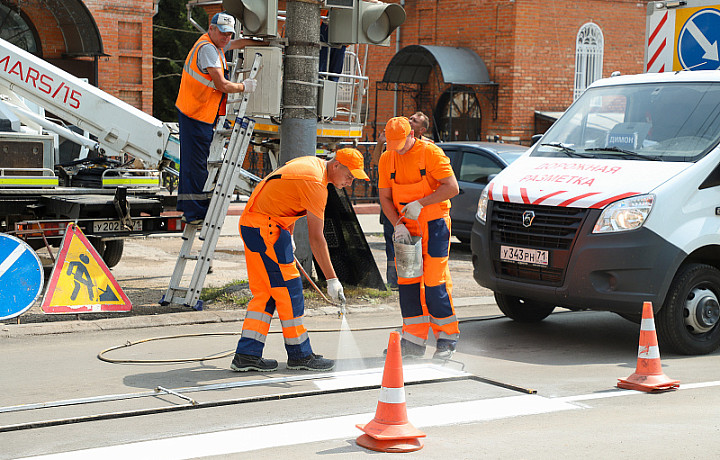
(190, 317)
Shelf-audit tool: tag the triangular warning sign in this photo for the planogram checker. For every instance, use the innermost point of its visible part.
(81, 281)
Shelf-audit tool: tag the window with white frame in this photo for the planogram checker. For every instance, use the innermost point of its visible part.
(589, 48)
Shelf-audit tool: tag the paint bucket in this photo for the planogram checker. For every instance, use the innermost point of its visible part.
(408, 258)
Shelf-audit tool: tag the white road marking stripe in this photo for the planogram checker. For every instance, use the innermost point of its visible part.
(285, 434)
(15, 255)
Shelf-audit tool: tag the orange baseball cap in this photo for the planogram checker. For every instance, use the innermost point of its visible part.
(396, 132)
(353, 159)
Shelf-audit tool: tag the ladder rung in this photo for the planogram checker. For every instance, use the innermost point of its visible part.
(179, 288)
(189, 257)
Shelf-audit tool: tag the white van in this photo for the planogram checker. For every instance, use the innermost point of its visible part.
(617, 204)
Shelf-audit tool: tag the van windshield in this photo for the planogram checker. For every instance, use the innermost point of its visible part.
(658, 121)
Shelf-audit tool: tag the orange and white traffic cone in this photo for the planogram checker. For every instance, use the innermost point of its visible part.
(648, 374)
(390, 430)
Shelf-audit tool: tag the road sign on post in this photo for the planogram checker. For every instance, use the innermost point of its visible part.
(21, 276)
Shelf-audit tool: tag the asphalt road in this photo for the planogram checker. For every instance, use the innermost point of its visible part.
(571, 360)
(531, 391)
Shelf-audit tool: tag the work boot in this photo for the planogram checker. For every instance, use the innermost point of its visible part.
(312, 362)
(244, 363)
(409, 350)
(445, 349)
(197, 221)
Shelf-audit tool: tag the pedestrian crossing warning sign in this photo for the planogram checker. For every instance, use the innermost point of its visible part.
(81, 281)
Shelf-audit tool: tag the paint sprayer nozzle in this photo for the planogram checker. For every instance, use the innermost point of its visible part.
(341, 312)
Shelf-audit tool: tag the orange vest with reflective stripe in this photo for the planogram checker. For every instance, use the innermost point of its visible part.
(198, 98)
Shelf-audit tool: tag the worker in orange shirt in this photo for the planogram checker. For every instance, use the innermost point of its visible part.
(419, 122)
(416, 182)
(299, 188)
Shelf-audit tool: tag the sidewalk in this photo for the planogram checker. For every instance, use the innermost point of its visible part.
(465, 307)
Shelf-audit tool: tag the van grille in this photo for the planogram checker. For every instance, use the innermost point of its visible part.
(553, 229)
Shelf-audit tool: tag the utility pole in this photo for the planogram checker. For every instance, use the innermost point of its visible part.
(298, 136)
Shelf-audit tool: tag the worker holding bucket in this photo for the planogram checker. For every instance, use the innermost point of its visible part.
(416, 183)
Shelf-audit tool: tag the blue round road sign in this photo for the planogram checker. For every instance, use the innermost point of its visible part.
(21, 276)
(698, 41)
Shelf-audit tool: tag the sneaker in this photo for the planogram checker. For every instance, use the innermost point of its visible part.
(244, 363)
(192, 222)
(409, 349)
(445, 349)
(443, 354)
(312, 362)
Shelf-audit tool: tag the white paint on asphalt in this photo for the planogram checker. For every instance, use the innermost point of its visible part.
(285, 434)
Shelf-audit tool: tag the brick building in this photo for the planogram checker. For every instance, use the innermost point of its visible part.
(109, 42)
(522, 54)
(529, 50)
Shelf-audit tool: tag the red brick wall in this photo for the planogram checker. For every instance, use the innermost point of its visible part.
(126, 31)
(528, 47)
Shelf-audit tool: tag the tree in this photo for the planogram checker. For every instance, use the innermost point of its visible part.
(173, 36)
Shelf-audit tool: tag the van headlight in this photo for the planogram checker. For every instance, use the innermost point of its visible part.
(482, 206)
(623, 215)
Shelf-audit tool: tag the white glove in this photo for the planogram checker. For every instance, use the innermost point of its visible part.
(335, 290)
(250, 85)
(412, 210)
(402, 234)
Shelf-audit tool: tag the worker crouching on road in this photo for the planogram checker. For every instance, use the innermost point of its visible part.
(417, 181)
(299, 188)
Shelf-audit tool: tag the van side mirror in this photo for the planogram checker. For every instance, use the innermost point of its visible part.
(535, 138)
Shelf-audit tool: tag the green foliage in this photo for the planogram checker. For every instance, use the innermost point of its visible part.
(173, 36)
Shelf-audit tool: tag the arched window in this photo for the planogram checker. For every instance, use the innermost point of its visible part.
(17, 29)
(458, 115)
(589, 48)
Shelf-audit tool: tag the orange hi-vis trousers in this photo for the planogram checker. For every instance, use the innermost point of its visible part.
(275, 284)
(426, 301)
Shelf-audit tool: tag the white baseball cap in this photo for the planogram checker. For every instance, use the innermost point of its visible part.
(224, 22)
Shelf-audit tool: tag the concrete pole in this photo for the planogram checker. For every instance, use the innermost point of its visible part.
(298, 131)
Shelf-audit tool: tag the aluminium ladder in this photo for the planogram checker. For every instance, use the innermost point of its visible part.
(224, 174)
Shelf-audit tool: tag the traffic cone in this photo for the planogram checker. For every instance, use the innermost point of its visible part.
(390, 430)
(648, 374)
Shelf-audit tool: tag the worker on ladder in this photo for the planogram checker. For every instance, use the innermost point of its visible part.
(299, 188)
(202, 96)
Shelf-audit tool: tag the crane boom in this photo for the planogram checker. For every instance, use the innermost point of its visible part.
(119, 127)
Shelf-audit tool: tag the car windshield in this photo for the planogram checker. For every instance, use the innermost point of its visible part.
(651, 122)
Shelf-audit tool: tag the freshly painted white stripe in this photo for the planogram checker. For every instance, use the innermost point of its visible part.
(263, 437)
(14, 255)
(647, 324)
(285, 434)
(649, 352)
(392, 395)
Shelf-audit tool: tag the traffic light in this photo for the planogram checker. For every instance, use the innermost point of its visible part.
(258, 17)
(365, 22)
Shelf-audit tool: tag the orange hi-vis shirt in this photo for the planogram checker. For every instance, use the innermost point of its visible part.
(301, 189)
(407, 167)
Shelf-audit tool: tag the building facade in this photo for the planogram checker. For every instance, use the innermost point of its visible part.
(109, 42)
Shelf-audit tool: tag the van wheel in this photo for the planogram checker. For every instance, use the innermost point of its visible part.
(688, 320)
(523, 310)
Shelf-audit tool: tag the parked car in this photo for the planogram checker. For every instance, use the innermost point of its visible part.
(475, 163)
